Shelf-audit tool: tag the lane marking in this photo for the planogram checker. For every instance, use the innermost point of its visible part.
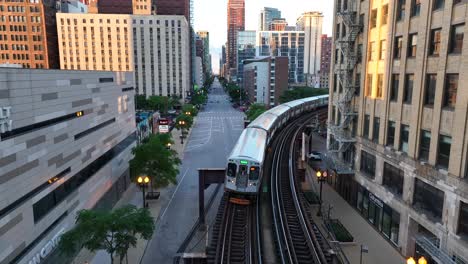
(173, 194)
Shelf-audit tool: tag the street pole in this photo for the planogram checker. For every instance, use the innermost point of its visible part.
(144, 197)
(319, 213)
(360, 257)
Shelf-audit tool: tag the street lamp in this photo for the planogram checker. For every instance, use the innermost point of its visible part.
(143, 182)
(182, 124)
(321, 177)
(168, 145)
(421, 260)
(188, 113)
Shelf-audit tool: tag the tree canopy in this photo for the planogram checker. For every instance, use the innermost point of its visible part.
(301, 92)
(113, 231)
(186, 118)
(155, 103)
(189, 108)
(154, 159)
(254, 111)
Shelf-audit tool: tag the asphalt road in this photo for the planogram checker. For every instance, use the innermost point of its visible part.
(214, 134)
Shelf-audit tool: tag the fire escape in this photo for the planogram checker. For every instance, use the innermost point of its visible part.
(341, 136)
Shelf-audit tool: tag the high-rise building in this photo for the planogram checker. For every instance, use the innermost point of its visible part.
(398, 121)
(235, 23)
(199, 75)
(173, 7)
(266, 79)
(325, 60)
(267, 15)
(158, 55)
(311, 24)
(28, 34)
(205, 36)
(246, 41)
(67, 149)
(136, 7)
(161, 54)
(73, 6)
(278, 24)
(284, 44)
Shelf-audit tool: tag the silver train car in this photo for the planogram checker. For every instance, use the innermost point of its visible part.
(244, 170)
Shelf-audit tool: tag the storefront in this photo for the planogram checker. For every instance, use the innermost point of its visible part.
(381, 216)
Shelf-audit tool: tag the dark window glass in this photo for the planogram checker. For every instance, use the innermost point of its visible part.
(366, 126)
(398, 47)
(379, 85)
(412, 45)
(383, 48)
(375, 135)
(371, 51)
(429, 199)
(450, 90)
(401, 9)
(254, 172)
(415, 7)
(463, 219)
(429, 94)
(425, 145)
(404, 136)
(391, 133)
(443, 155)
(456, 38)
(373, 18)
(434, 45)
(393, 179)
(369, 85)
(359, 53)
(394, 87)
(438, 4)
(357, 84)
(384, 15)
(232, 169)
(408, 91)
(368, 164)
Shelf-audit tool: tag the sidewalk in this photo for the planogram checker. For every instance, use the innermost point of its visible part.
(380, 250)
(134, 196)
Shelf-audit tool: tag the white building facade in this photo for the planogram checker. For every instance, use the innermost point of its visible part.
(65, 144)
(161, 55)
(199, 76)
(311, 24)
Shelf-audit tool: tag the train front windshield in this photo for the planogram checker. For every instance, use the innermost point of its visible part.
(232, 170)
(254, 171)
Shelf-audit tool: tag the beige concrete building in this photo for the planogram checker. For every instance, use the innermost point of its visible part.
(95, 42)
(156, 48)
(398, 121)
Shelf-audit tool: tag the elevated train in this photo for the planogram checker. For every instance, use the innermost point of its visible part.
(245, 163)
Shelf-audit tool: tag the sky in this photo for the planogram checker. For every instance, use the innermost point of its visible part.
(211, 15)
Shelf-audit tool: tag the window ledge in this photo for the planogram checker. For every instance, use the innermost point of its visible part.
(448, 108)
(429, 106)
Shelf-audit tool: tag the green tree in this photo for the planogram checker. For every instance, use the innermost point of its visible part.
(301, 92)
(254, 111)
(187, 119)
(159, 103)
(140, 102)
(189, 108)
(113, 231)
(154, 159)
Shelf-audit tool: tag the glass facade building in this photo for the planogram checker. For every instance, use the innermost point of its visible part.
(245, 50)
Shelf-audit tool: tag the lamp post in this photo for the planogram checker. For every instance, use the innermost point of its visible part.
(364, 249)
(168, 145)
(182, 124)
(143, 182)
(321, 177)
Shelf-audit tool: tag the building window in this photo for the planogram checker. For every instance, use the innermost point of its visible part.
(415, 7)
(412, 45)
(425, 145)
(401, 6)
(368, 164)
(384, 15)
(391, 133)
(438, 4)
(463, 220)
(383, 47)
(398, 47)
(393, 179)
(379, 85)
(408, 91)
(456, 38)
(428, 199)
(429, 94)
(404, 137)
(443, 155)
(371, 53)
(434, 46)
(376, 130)
(369, 85)
(394, 87)
(357, 84)
(450, 90)
(366, 126)
(373, 18)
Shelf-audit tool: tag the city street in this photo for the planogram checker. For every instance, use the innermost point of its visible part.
(214, 134)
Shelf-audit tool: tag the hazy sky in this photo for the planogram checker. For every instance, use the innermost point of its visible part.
(210, 15)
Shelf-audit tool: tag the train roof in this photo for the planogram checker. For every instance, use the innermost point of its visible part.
(279, 110)
(294, 103)
(251, 144)
(264, 121)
